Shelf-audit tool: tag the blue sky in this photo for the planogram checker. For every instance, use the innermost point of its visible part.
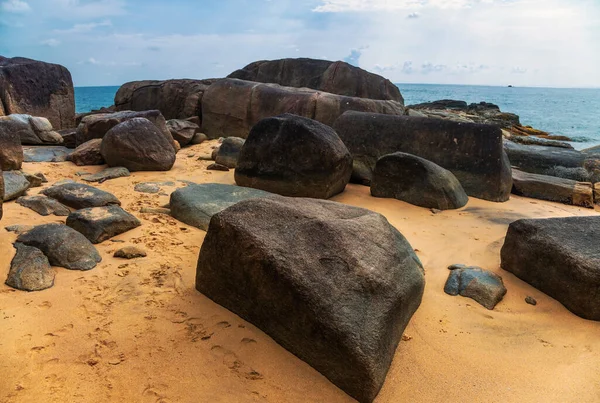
(552, 43)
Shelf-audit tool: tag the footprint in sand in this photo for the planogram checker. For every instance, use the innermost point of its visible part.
(156, 393)
(232, 361)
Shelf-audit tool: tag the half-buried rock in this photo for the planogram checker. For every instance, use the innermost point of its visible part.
(335, 285)
(80, 195)
(483, 286)
(101, 223)
(229, 151)
(137, 145)
(63, 246)
(44, 205)
(196, 204)
(417, 181)
(558, 256)
(294, 156)
(30, 270)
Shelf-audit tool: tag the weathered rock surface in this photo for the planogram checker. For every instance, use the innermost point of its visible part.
(460, 111)
(31, 130)
(15, 184)
(147, 187)
(231, 107)
(417, 181)
(37, 88)
(63, 246)
(472, 152)
(473, 282)
(196, 204)
(18, 228)
(35, 180)
(106, 174)
(175, 99)
(334, 77)
(30, 270)
(542, 160)
(110, 109)
(44, 205)
(560, 257)
(130, 252)
(87, 153)
(137, 145)
(46, 154)
(101, 223)
(229, 151)
(536, 141)
(335, 285)
(551, 188)
(80, 195)
(69, 137)
(11, 152)
(182, 130)
(294, 156)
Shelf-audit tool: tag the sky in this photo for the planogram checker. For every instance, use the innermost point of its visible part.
(549, 43)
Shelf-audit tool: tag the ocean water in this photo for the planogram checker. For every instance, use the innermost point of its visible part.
(562, 111)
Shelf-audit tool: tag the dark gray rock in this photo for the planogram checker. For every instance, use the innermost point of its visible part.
(15, 184)
(11, 152)
(101, 223)
(483, 286)
(44, 205)
(472, 152)
(80, 195)
(536, 141)
(335, 285)
(130, 252)
(106, 174)
(483, 112)
(182, 130)
(531, 300)
(542, 160)
(560, 257)
(554, 189)
(199, 138)
(35, 180)
(294, 156)
(30, 270)
(45, 154)
(229, 151)
(69, 137)
(87, 153)
(196, 204)
(217, 167)
(63, 246)
(137, 145)
(18, 228)
(148, 187)
(417, 181)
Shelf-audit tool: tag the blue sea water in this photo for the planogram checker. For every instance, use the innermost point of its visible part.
(562, 111)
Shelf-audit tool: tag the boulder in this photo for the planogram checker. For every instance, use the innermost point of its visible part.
(542, 160)
(37, 88)
(554, 189)
(294, 156)
(106, 174)
(483, 112)
(229, 151)
(560, 257)
(11, 152)
(101, 223)
(44, 205)
(196, 204)
(536, 141)
(45, 154)
(182, 131)
(472, 152)
(175, 99)
(69, 137)
(111, 109)
(35, 180)
(417, 181)
(231, 107)
(130, 252)
(98, 125)
(198, 138)
(15, 185)
(79, 195)
(335, 285)
(18, 228)
(87, 153)
(473, 282)
(338, 77)
(63, 246)
(137, 145)
(30, 270)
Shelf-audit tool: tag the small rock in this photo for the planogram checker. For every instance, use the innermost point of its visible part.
(229, 151)
(531, 300)
(106, 174)
(79, 195)
(30, 270)
(436, 211)
(101, 223)
(155, 210)
(15, 184)
(44, 205)
(217, 167)
(473, 282)
(199, 138)
(130, 252)
(205, 158)
(18, 228)
(35, 180)
(148, 187)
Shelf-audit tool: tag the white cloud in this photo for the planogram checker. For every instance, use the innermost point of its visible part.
(413, 15)
(81, 28)
(338, 6)
(51, 42)
(86, 9)
(15, 6)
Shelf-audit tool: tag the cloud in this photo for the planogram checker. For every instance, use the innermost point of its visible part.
(81, 28)
(51, 42)
(340, 6)
(413, 15)
(93, 61)
(354, 57)
(15, 6)
(86, 9)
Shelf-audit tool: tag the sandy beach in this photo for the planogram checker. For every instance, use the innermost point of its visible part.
(138, 331)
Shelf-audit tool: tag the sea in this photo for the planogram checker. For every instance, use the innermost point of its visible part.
(571, 112)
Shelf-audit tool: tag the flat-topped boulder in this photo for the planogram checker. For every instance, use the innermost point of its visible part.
(294, 156)
(37, 88)
(542, 160)
(44, 205)
(338, 77)
(554, 189)
(196, 204)
(107, 174)
(472, 152)
(101, 223)
(335, 285)
(79, 195)
(45, 153)
(560, 257)
(230, 107)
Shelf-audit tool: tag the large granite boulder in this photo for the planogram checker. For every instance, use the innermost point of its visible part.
(175, 99)
(294, 156)
(11, 151)
(63, 246)
(32, 130)
(196, 204)
(542, 160)
(80, 195)
(483, 112)
(334, 77)
(230, 107)
(560, 257)
(472, 152)
(554, 189)
(417, 181)
(101, 223)
(30, 270)
(15, 184)
(335, 285)
(87, 153)
(183, 131)
(37, 88)
(137, 145)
